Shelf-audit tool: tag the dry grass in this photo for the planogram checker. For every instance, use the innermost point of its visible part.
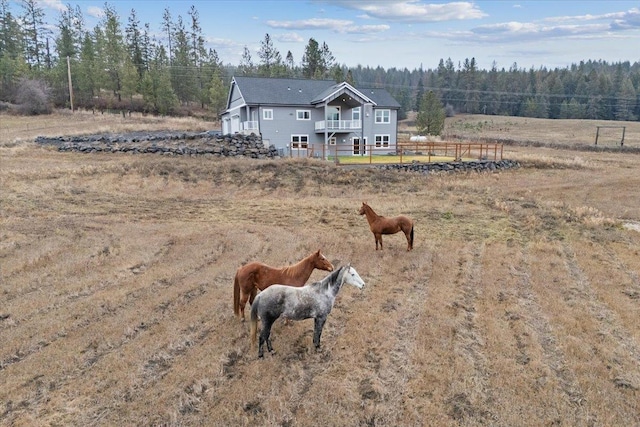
(518, 305)
(23, 129)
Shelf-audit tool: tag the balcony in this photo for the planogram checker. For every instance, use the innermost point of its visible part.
(338, 125)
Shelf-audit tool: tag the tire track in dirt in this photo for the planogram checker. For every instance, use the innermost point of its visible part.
(395, 368)
(471, 396)
(155, 366)
(609, 323)
(554, 357)
(72, 296)
(149, 293)
(633, 291)
(75, 297)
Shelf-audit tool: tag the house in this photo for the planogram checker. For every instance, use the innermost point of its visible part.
(312, 117)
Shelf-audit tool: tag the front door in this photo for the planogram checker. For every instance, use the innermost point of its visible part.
(359, 148)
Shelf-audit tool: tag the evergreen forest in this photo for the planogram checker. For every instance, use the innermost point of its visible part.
(119, 65)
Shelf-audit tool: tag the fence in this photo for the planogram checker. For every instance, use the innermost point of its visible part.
(404, 152)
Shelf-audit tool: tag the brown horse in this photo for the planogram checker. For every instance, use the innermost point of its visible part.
(380, 225)
(258, 276)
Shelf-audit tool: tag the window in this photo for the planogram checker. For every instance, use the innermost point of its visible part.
(303, 115)
(332, 140)
(383, 116)
(355, 113)
(382, 141)
(267, 114)
(299, 141)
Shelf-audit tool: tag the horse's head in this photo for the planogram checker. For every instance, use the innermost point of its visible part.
(321, 262)
(351, 277)
(362, 210)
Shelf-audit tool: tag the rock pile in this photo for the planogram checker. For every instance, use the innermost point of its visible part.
(472, 166)
(167, 143)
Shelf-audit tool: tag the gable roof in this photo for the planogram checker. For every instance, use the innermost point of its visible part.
(339, 89)
(303, 92)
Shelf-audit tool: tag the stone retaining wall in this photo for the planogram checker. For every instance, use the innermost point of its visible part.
(167, 143)
(471, 166)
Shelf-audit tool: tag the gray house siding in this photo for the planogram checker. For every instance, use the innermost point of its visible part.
(250, 97)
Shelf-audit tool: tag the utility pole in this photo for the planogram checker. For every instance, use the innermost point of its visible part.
(70, 85)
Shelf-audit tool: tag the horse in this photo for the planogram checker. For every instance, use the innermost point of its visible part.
(314, 300)
(380, 225)
(256, 276)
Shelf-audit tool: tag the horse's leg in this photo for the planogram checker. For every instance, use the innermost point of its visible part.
(317, 331)
(244, 297)
(407, 235)
(378, 239)
(265, 334)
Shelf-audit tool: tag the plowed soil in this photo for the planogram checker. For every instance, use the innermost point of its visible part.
(518, 306)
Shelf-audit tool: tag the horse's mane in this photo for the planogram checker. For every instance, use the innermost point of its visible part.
(330, 278)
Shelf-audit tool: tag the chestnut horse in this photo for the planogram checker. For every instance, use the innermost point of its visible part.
(380, 225)
(258, 276)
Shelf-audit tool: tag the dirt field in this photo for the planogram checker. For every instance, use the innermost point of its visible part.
(518, 306)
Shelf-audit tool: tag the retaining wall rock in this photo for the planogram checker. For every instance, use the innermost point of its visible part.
(166, 143)
(471, 166)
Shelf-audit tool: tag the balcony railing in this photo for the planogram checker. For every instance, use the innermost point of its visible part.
(249, 127)
(334, 125)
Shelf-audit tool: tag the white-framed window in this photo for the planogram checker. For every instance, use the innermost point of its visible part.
(332, 140)
(382, 141)
(355, 113)
(383, 116)
(267, 114)
(303, 115)
(299, 141)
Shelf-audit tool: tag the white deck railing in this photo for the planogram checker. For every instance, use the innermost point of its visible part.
(338, 125)
(250, 126)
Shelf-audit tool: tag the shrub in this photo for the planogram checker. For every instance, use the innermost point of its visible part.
(33, 97)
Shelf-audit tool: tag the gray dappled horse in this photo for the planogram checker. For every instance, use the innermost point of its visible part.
(311, 301)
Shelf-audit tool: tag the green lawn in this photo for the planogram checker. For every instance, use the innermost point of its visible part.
(383, 158)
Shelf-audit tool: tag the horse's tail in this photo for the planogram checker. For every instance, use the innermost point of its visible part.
(236, 296)
(253, 323)
(411, 237)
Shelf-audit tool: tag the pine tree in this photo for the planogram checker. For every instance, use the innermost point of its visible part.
(270, 59)
(217, 92)
(312, 60)
(626, 100)
(86, 72)
(35, 32)
(134, 43)
(183, 76)
(430, 118)
(290, 64)
(167, 28)
(246, 67)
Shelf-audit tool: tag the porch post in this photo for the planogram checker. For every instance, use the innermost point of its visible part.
(325, 143)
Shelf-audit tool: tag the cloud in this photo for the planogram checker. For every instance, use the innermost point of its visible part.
(289, 38)
(560, 27)
(95, 11)
(336, 25)
(413, 10)
(53, 4)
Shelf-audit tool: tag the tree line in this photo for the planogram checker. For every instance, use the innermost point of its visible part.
(122, 65)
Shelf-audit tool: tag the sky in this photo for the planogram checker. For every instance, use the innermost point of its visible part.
(401, 33)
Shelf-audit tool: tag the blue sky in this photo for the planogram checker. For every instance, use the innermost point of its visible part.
(403, 33)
